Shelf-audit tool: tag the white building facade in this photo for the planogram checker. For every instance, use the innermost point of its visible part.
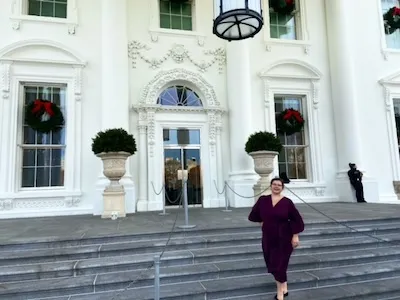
(191, 100)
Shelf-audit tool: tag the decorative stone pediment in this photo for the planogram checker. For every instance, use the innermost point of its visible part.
(391, 79)
(40, 51)
(291, 69)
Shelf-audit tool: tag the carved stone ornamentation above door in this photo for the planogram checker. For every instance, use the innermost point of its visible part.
(179, 54)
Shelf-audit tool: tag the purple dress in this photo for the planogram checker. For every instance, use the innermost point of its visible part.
(280, 223)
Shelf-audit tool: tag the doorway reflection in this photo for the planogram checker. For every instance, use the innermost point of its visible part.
(182, 160)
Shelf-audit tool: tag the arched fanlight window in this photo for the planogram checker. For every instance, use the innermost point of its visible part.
(179, 95)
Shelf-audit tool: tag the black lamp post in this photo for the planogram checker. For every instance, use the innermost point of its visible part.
(237, 19)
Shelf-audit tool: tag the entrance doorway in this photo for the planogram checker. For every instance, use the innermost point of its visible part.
(182, 161)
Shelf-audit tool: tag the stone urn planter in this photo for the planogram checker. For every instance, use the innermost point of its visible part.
(114, 165)
(263, 166)
(263, 147)
(114, 194)
(113, 147)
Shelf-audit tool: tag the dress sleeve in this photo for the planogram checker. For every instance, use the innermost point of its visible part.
(255, 214)
(296, 221)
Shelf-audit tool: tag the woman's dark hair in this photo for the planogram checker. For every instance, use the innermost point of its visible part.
(284, 177)
(278, 179)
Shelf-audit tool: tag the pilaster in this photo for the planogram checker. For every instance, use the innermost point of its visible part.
(5, 125)
(143, 179)
(220, 170)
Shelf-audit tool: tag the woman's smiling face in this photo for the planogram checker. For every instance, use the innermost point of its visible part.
(276, 186)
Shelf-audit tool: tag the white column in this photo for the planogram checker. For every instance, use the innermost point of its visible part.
(344, 96)
(242, 176)
(115, 84)
(115, 63)
(343, 83)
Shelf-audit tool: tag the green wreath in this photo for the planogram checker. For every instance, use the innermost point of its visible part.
(289, 121)
(282, 7)
(44, 116)
(392, 20)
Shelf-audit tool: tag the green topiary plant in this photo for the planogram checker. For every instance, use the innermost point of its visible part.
(263, 141)
(114, 140)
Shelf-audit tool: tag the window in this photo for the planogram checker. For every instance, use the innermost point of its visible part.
(179, 96)
(392, 40)
(292, 160)
(43, 154)
(48, 8)
(396, 106)
(176, 14)
(285, 26)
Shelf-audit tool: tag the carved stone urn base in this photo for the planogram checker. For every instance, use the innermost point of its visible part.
(114, 203)
(263, 166)
(114, 194)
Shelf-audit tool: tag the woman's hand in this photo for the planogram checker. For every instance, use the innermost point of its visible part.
(295, 241)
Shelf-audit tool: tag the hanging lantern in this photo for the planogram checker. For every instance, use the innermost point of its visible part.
(236, 20)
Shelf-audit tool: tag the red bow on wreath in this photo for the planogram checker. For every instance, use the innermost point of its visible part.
(40, 105)
(295, 114)
(396, 11)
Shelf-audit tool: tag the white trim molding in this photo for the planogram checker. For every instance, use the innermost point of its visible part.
(164, 78)
(70, 57)
(19, 16)
(18, 67)
(391, 90)
(295, 77)
(153, 116)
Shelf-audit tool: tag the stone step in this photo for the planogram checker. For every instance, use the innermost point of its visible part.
(310, 281)
(99, 265)
(56, 242)
(189, 243)
(379, 289)
(383, 289)
(48, 269)
(172, 258)
(187, 273)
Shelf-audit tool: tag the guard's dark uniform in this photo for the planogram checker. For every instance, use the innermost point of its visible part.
(355, 177)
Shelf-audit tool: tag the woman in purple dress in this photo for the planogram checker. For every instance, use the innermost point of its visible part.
(281, 224)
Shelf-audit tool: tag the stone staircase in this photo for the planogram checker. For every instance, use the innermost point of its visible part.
(332, 263)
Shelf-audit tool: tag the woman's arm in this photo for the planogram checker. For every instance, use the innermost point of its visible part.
(296, 220)
(255, 214)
